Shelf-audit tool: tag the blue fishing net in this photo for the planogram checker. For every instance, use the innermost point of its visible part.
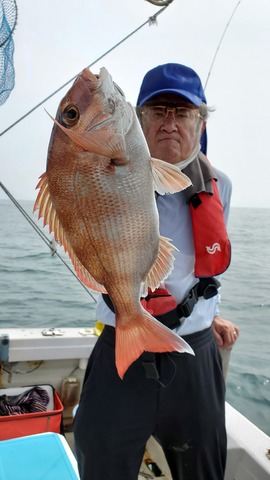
(8, 19)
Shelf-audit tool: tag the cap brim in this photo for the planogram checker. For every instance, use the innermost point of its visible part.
(182, 93)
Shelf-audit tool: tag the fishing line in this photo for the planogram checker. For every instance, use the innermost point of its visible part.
(150, 21)
(48, 242)
(219, 44)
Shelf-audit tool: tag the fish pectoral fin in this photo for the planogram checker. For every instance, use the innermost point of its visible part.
(167, 177)
(45, 208)
(109, 145)
(163, 264)
(144, 333)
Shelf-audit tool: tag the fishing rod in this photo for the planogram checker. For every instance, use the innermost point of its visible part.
(51, 244)
(151, 21)
(160, 3)
(219, 44)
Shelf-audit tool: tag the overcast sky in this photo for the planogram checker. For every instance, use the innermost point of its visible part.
(55, 39)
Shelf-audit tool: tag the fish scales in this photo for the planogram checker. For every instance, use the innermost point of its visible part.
(98, 197)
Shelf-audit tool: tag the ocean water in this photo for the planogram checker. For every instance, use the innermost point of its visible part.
(37, 289)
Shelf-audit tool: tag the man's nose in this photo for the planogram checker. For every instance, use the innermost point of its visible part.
(169, 123)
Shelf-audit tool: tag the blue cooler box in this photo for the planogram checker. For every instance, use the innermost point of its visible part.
(45, 456)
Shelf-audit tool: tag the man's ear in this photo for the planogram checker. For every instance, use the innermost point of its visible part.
(203, 127)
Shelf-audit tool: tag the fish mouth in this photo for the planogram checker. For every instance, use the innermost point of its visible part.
(91, 80)
(94, 82)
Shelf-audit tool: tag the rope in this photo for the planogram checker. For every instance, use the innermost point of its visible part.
(151, 20)
(48, 242)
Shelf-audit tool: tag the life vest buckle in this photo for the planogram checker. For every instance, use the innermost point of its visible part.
(207, 287)
(186, 307)
(210, 291)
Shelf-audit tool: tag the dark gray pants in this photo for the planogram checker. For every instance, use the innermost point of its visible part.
(116, 417)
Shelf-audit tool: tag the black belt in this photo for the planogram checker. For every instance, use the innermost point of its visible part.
(206, 288)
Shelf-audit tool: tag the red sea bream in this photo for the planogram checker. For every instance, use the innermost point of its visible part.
(98, 197)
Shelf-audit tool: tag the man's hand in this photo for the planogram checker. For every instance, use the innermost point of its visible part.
(225, 332)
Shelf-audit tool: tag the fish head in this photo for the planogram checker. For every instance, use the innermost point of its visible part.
(73, 111)
(95, 115)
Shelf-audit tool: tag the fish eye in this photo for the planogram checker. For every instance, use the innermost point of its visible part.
(71, 115)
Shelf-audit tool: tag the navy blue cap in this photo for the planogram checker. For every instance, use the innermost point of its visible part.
(172, 78)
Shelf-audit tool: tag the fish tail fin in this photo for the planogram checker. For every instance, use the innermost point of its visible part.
(144, 333)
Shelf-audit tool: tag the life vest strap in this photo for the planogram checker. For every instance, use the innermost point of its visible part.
(206, 288)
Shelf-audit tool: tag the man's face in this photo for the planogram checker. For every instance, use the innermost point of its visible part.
(173, 136)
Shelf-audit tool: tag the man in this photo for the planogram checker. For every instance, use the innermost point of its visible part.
(178, 398)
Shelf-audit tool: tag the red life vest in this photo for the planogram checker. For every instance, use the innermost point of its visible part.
(211, 243)
(158, 302)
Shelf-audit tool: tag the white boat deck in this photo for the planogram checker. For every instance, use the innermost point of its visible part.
(35, 358)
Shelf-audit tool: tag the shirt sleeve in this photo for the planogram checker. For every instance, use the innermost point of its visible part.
(225, 191)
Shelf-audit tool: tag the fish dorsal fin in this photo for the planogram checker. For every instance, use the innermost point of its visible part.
(45, 208)
(167, 177)
(163, 264)
(110, 145)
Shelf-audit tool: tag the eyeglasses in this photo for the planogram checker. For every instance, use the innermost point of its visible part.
(160, 113)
